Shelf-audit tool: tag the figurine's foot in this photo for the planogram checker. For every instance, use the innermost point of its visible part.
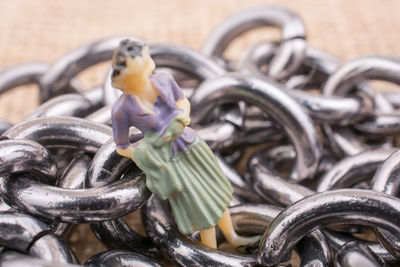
(241, 242)
(207, 237)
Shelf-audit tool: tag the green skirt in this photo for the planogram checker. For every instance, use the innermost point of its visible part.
(192, 181)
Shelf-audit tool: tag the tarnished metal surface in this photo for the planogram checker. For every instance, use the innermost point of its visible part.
(305, 140)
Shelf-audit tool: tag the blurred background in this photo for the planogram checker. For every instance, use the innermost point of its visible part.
(44, 30)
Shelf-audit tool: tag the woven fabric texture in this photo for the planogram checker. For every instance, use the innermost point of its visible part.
(44, 30)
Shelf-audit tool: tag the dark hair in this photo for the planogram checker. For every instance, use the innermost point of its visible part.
(131, 47)
(126, 48)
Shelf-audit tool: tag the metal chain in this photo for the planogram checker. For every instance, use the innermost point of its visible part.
(306, 142)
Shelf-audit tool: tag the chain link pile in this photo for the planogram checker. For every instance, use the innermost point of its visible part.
(322, 172)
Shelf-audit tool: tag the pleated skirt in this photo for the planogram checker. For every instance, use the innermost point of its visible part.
(191, 180)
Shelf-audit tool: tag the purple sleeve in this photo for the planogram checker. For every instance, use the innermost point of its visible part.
(120, 124)
(168, 89)
(176, 90)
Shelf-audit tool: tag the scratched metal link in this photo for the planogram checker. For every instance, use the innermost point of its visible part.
(307, 142)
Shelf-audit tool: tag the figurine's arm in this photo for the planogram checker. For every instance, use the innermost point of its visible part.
(120, 126)
(181, 101)
(173, 131)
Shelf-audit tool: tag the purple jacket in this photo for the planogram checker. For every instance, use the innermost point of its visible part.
(128, 112)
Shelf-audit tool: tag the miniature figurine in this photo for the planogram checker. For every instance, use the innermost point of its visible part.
(178, 164)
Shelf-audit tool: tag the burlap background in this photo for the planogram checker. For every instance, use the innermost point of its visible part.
(44, 30)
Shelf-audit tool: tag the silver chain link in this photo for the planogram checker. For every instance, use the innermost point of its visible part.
(315, 142)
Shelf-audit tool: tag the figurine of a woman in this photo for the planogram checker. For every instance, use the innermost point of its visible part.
(178, 164)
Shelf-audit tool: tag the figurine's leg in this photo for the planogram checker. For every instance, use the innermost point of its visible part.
(226, 226)
(208, 237)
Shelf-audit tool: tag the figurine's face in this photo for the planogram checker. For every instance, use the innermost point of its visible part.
(132, 66)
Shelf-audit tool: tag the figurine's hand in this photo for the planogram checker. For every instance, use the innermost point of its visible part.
(126, 152)
(185, 120)
(184, 104)
(173, 131)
